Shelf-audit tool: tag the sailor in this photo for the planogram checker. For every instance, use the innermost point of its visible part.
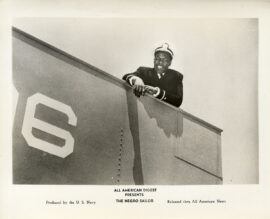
(161, 82)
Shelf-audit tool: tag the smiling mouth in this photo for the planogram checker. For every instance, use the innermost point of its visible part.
(159, 67)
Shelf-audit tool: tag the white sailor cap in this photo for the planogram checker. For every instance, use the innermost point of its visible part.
(164, 48)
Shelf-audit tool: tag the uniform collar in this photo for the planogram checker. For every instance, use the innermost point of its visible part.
(160, 75)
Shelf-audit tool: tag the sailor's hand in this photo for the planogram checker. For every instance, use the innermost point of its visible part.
(138, 87)
(151, 90)
(137, 81)
(139, 90)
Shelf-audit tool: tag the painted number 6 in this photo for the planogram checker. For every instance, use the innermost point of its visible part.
(30, 122)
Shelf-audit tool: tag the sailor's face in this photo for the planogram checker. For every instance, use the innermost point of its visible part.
(162, 62)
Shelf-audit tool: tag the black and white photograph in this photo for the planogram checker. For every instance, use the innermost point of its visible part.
(135, 112)
(135, 101)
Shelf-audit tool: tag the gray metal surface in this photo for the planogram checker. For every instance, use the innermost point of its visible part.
(118, 138)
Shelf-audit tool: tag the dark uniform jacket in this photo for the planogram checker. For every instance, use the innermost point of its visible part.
(170, 84)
